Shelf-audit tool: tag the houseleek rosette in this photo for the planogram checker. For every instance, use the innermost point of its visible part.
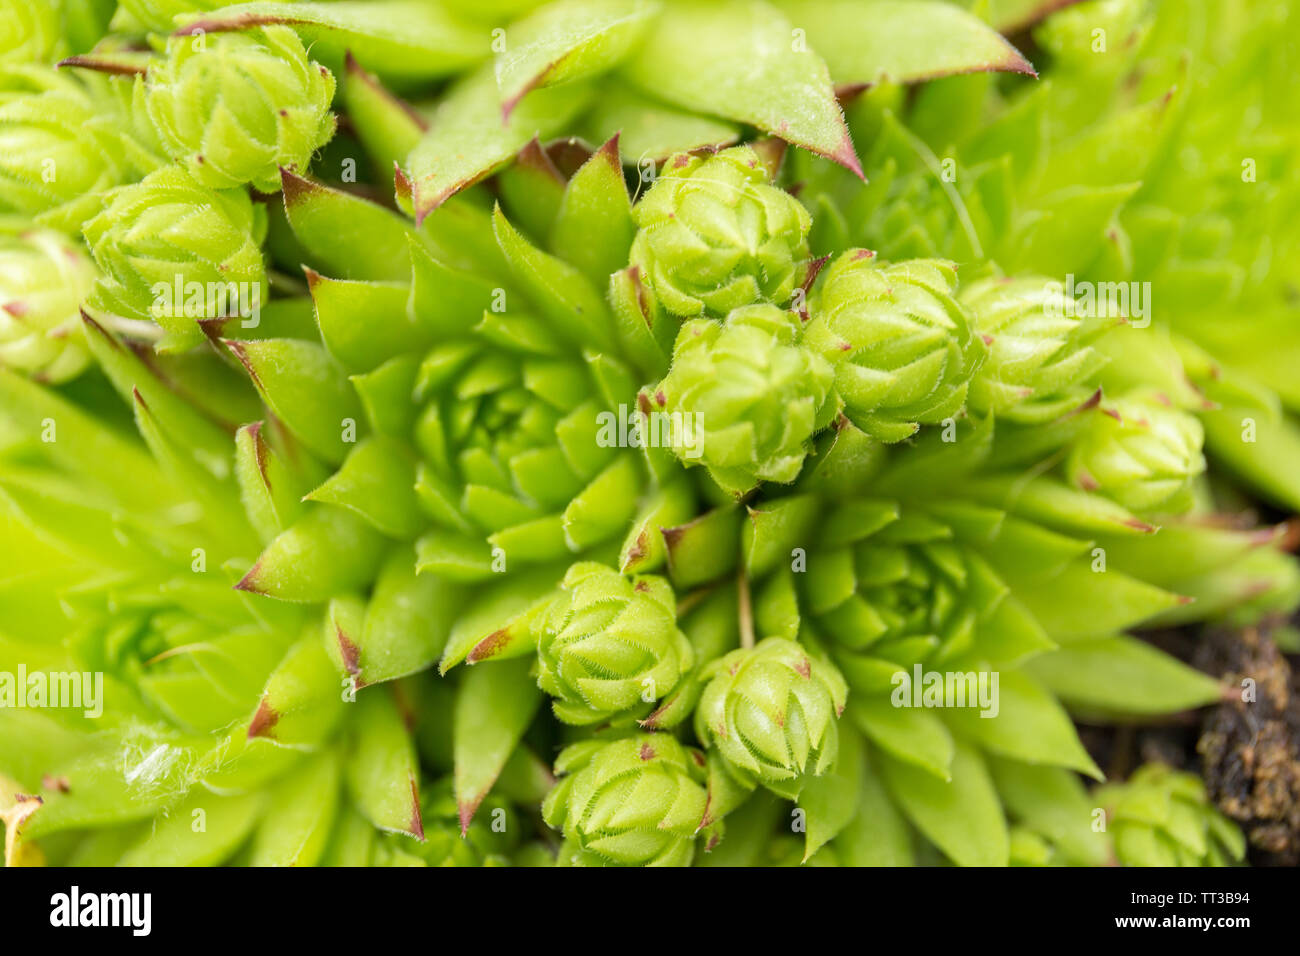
(1039, 359)
(714, 235)
(745, 396)
(771, 712)
(1161, 817)
(235, 107)
(1140, 452)
(176, 252)
(955, 611)
(43, 278)
(61, 146)
(610, 645)
(903, 349)
(481, 414)
(210, 709)
(637, 801)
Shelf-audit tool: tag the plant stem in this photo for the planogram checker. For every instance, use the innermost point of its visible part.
(746, 611)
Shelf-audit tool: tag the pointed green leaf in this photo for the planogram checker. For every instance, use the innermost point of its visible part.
(740, 60)
(962, 817)
(382, 775)
(494, 705)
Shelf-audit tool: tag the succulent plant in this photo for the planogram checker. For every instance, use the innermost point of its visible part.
(1160, 817)
(1139, 452)
(772, 712)
(714, 235)
(1039, 358)
(43, 278)
(637, 801)
(60, 147)
(236, 108)
(179, 253)
(904, 350)
(610, 645)
(744, 397)
(470, 416)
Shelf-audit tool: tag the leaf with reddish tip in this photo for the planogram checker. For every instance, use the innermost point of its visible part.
(467, 139)
(593, 227)
(326, 551)
(643, 550)
(344, 234)
(382, 774)
(901, 41)
(302, 702)
(387, 126)
(531, 188)
(406, 39)
(270, 488)
(498, 622)
(307, 391)
(494, 706)
(739, 60)
(703, 549)
(565, 41)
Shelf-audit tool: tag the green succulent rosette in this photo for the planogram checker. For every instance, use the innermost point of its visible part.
(771, 712)
(743, 397)
(1161, 817)
(195, 705)
(60, 146)
(235, 107)
(903, 349)
(176, 252)
(952, 600)
(714, 235)
(1140, 452)
(43, 278)
(1039, 362)
(610, 646)
(637, 801)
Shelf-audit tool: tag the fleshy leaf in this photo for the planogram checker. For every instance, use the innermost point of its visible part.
(738, 60)
(1120, 676)
(962, 817)
(382, 775)
(900, 41)
(467, 139)
(495, 703)
(565, 41)
(405, 39)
